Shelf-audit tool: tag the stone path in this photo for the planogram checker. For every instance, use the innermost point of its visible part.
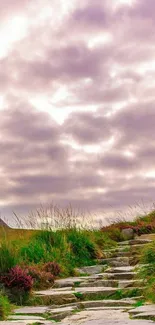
(100, 298)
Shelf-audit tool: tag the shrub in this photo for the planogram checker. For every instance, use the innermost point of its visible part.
(5, 307)
(17, 278)
(41, 278)
(52, 267)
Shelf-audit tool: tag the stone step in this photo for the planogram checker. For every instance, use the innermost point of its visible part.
(91, 270)
(135, 242)
(121, 269)
(36, 310)
(70, 282)
(142, 309)
(27, 322)
(119, 248)
(108, 308)
(143, 312)
(30, 318)
(115, 261)
(121, 254)
(108, 303)
(121, 276)
(100, 283)
(147, 236)
(130, 283)
(51, 296)
(147, 315)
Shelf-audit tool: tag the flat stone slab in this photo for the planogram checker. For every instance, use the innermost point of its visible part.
(96, 290)
(100, 283)
(31, 310)
(121, 269)
(54, 292)
(129, 283)
(143, 309)
(120, 276)
(103, 317)
(62, 309)
(115, 261)
(91, 269)
(135, 242)
(109, 308)
(26, 317)
(128, 302)
(26, 322)
(145, 315)
(69, 282)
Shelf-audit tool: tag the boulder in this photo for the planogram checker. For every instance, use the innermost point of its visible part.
(128, 233)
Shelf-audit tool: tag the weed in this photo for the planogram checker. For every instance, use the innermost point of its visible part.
(139, 303)
(78, 295)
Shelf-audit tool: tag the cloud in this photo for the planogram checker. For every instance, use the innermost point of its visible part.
(93, 63)
(93, 15)
(13, 7)
(87, 128)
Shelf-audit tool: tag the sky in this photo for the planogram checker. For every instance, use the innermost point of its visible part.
(77, 104)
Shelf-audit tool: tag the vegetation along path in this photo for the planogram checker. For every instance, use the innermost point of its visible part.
(106, 293)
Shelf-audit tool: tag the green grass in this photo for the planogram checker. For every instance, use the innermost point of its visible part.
(139, 303)
(5, 307)
(147, 273)
(72, 247)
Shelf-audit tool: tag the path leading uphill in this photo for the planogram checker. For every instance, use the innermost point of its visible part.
(104, 294)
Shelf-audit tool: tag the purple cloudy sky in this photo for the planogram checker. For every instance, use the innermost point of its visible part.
(77, 103)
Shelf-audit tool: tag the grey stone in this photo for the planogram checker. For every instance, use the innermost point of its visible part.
(69, 282)
(91, 269)
(108, 303)
(120, 276)
(25, 322)
(31, 310)
(137, 241)
(96, 290)
(62, 309)
(103, 317)
(109, 308)
(145, 315)
(116, 261)
(26, 317)
(121, 269)
(130, 283)
(141, 309)
(128, 233)
(49, 297)
(100, 283)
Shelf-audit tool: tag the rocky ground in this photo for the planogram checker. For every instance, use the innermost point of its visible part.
(106, 293)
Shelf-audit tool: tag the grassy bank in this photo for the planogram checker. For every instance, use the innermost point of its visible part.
(147, 272)
(32, 259)
(140, 225)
